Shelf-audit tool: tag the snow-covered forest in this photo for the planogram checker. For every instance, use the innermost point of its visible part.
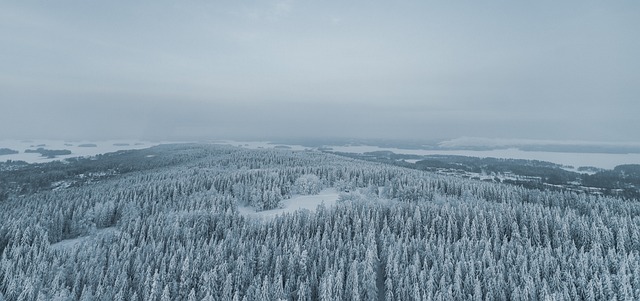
(170, 229)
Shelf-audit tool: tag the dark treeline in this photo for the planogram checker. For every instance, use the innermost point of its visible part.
(169, 229)
(49, 153)
(8, 151)
(623, 181)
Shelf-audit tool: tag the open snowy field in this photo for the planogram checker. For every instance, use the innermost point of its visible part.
(71, 244)
(328, 196)
(77, 148)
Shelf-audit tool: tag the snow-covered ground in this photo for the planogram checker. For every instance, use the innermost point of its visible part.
(328, 196)
(411, 160)
(70, 244)
(76, 147)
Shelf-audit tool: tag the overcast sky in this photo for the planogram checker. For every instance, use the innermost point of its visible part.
(264, 69)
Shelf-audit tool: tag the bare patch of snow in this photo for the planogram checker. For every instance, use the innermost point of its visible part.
(328, 196)
(70, 244)
(61, 185)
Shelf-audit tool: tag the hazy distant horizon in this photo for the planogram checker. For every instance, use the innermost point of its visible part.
(463, 142)
(568, 153)
(416, 70)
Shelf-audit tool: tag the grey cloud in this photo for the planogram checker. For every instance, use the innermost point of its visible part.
(290, 68)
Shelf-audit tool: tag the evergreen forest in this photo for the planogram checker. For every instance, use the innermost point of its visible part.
(165, 223)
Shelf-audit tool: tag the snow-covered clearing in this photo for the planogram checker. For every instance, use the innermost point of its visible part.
(411, 160)
(328, 196)
(70, 244)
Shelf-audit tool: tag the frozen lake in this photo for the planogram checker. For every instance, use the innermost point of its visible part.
(600, 160)
(86, 148)
(77, 148)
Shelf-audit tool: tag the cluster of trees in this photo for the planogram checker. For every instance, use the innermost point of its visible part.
(8, 151)
(174, 232)
(49, 153)
(623, 181)
(622, 176)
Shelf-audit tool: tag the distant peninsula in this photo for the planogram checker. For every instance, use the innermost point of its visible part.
(49, 153)
(8, 151)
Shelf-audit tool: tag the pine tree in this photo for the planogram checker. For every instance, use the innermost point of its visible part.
(370, 273)
(166, 294)
(353, 282)
(155, 291)
(326, 287)
(192, 295)
(304, 292)
(227, 288)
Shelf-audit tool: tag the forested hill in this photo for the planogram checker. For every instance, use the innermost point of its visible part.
(163, 224)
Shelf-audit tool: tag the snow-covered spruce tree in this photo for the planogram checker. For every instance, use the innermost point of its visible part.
(307, 184)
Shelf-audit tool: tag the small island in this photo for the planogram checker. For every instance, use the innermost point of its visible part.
(8, 151)
(49, 153)
(282, 147)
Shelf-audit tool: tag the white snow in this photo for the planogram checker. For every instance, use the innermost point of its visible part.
(69, 244)
(102, 147)
(328, 196)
